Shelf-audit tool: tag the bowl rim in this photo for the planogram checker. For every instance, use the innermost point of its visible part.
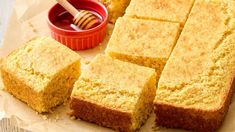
(103, 23)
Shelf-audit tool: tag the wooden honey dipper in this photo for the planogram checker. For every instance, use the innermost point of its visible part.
(83, 19)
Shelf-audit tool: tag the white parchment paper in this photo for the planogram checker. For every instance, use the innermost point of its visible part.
(29, 20)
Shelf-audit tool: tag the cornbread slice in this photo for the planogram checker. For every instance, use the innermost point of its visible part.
(144, 42)
(116, 8)
(165, 10)
(41, 73)
(195, 88)
(114, 94)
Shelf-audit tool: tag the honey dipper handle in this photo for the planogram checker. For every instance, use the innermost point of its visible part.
(71, 9)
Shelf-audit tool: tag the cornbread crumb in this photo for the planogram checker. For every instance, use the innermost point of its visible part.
(44, 117)
(196, 85)
(165, 10)
(57, 117)
(41, 73)
(33, 27)
(73, 117)
(114, 94)
(116, 8)
(100, 47)
(35, 30)
(155, 128)
(30, 24)
(143, 42)
(86, 62)
(66, 102)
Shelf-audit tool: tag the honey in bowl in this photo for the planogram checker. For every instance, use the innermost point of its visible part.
(83, 39)
(65, 21)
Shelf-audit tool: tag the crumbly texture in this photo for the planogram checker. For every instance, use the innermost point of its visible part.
(41, 73)
(195, 88)
(165, 10)
(116, 8)
(114, 94)
(144, 42)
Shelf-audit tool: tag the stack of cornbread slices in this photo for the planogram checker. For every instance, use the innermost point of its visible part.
(188, 45)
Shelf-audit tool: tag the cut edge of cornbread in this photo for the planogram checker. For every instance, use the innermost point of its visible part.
(118, 119)
(55, 92)
(64, 81)
(45, 100)
(154, 62)
(144, 106)
(152, 19)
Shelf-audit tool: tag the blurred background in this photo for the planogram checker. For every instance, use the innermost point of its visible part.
(5, 11)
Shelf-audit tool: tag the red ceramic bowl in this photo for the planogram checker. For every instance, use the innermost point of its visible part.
(84, 39)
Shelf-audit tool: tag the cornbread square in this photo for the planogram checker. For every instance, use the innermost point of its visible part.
(41, 73)
(116, 8)
(195, 88)
(114, 94)
(165, 10)
(143, 42)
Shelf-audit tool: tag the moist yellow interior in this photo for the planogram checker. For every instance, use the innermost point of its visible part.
(43, 76)
(118, 85)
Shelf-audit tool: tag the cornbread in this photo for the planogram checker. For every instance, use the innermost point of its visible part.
(165, 10)
(114, 94)
(116, 8)
(196, 85)
(41, 73)
(145, 42)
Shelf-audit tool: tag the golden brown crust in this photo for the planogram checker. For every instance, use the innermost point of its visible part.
(193, 119)
(100, 115)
